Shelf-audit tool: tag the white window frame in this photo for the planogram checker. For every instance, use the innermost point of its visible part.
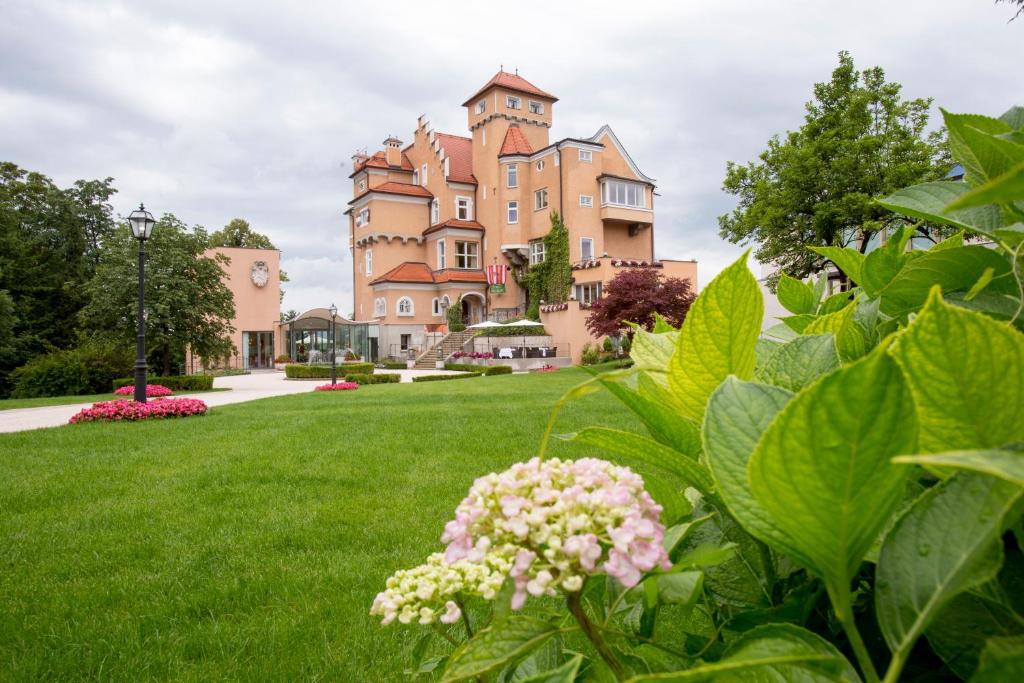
(468, 259)
(586, 156)
(415, 177)
(423, 175)
(435, 211)
(587, 292)
(380, 307)
(368, 258)
(586, 201)
(483, 137)
(537, 254)
(540, 165)
(536, 107)
(616, 193)
(363, 217)
(512, 176)
(435, 307)
(399, 304)
(481, 106)
(512, 212)
(585, 240)
(540, 199)
(513, 102)
(442, 256)
(464, 203)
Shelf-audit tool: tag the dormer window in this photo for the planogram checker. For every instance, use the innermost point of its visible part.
(536, 107)
(586, 156)
(464, 208)
(513, 102)
(481, 106)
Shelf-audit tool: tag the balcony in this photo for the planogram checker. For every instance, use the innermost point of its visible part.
(618, 213)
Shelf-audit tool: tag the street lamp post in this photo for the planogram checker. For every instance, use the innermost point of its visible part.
(334, 346)
(141, 222)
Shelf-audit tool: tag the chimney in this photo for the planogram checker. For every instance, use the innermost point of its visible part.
(358, 159)
(393, 151)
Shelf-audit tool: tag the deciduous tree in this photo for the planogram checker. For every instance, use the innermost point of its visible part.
(238, 233)
(635, 296)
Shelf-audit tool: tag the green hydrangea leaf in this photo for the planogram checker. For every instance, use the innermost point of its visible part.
(966, 374)
(929, 202)
(823, 468)
(954, 270)
(717, 338)
(1003, 189)
(663, 424)
(849, 336)
(848, 260)
(795, 295)
(496, 646)
(1005, 464)
(948, 541)
(799, 362)
(566, 673)
(1002, 660)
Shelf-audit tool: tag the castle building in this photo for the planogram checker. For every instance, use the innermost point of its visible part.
(427, 219)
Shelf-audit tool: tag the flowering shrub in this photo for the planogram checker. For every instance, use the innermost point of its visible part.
(152, 391)
(338, 386)
(473, 354)
(124, 410)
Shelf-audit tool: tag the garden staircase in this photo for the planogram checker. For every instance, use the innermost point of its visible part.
(449, 344)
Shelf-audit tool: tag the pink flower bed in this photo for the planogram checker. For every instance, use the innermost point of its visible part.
(474, 354)
(337, 386)
(152, 391)
(123, 410)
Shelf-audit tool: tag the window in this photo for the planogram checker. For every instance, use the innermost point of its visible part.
(536, 107)
(481, 106)
(622, 193)
(586, 201)
(415, 177)
(483, 136)
(540, 199)
(380, 307)
(540, 165)
(423, 175)
(435, 307)
(586, 155)
(464, 208)
(588, 293)
(536, 251)
(405, 306)
(467, 255)
(406, 340)
(513, 213)
(362, 184)
(586, 248)
(442, 262)
(513, 175)
(435, 212)
(369, 261)
(363, 217)
(513, 102)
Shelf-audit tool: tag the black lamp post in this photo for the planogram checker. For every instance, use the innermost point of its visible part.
(142, 226)
(334, 347)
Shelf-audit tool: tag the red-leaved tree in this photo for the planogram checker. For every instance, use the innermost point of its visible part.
(634, 296)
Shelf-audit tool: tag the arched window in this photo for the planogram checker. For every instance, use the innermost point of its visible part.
(405, 306)
(435, 307)
(380, 307)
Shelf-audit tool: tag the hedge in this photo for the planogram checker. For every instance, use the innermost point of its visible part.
(394, 365)
(441, 378)
(382, 378)
(88, 369)
(463, 367)
(499, 370)
(303, 371)
(172, 382)
(513, 330)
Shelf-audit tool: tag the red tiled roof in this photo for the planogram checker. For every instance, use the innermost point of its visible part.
(391, 187)
(379, 160)
(515, 142)
(420, 273)
(407, 272)
(460, 149)
(504, 79)
(455, 223)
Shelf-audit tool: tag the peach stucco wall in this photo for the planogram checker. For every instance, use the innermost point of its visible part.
(256, 308)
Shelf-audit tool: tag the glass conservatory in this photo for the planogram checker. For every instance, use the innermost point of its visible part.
(307, 338)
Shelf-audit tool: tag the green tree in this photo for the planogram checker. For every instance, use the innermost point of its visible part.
(238, 233)
(817, 186)
(188, 306)
(454, 316)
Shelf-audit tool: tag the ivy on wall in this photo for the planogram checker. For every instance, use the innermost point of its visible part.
(551, 279)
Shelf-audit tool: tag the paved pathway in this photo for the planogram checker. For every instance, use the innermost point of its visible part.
(265, 384)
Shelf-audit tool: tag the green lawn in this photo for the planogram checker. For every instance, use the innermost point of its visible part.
(248, 544)
(12, 403)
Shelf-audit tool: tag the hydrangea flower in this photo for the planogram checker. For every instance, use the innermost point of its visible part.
(427, 593)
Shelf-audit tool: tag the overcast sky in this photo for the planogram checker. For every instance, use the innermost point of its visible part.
(216, 110)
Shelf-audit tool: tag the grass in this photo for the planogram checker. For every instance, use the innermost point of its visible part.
(12, 403)
(249, 544)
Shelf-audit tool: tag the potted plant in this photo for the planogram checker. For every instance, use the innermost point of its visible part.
(281, 360)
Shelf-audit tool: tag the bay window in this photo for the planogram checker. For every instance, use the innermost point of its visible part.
(467, 255)
(622, 193)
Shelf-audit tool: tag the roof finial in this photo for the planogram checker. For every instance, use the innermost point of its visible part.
(501, 67)
(517, 71)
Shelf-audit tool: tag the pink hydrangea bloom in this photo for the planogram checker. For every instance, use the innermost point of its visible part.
(337, 386)
(152, 391)
(130, 411)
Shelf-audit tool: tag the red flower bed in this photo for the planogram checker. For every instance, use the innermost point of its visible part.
(122, 410)
(337, 386)
(152, 391)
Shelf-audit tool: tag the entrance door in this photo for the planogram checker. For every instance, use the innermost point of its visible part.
(260, 349)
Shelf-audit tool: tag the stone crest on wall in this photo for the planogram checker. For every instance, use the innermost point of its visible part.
(260, 273)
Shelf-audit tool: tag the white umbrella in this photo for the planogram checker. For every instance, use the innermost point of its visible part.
(526, 323)
(485, 325)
